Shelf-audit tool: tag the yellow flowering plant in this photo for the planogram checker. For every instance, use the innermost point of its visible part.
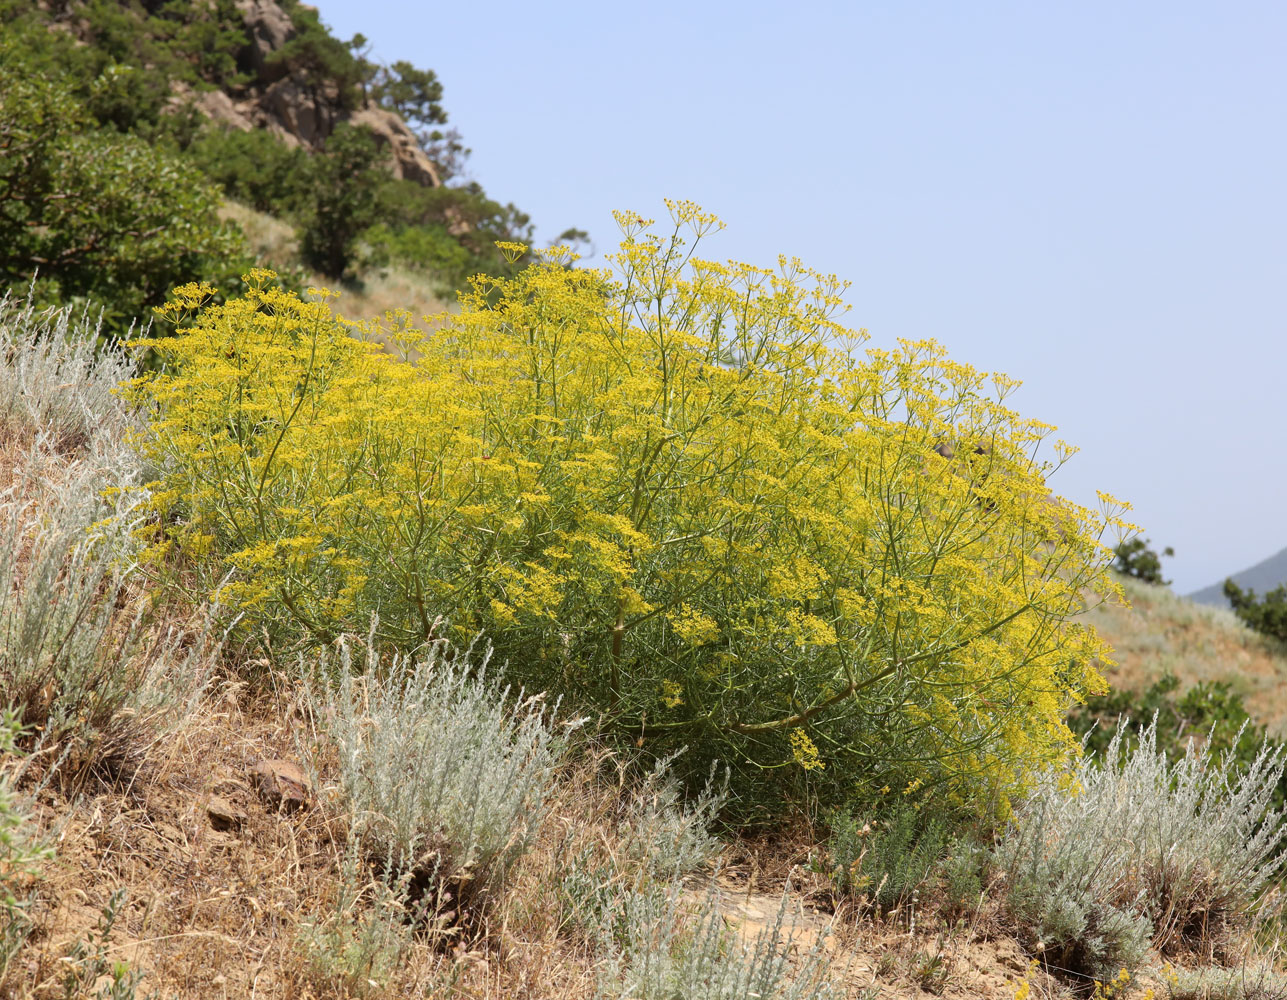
(677, 491)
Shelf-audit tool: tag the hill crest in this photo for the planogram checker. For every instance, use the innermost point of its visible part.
(1263, 576)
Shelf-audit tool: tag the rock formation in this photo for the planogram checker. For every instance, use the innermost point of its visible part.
(279, 99)
(269, 28)
(408, 160)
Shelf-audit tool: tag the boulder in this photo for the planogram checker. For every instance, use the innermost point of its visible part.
(269, 28)
(407, 160)
(457, 224)
(223, 814)
(292, 109)
(282, 784)
(219, 107)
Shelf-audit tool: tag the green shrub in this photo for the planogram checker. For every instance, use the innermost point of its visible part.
(1211, 712)
(98, 215)
(89, 965)
(344, 184)
(20, 855)
(255, 168)
(887, 857)
(123, 56)
(427, 248)
(1267, 615)
(468, 216)
(1135, 559)
(357, 942)
(963, 876)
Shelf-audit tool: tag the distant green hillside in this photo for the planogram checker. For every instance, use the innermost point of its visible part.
(126, 124)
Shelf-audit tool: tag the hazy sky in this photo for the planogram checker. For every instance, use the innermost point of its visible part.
(1088, 197)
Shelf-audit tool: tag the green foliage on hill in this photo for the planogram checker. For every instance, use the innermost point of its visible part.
(1135, 559)
(1267, 615)
(342, 201)
(119, 58)
(93, 213)
(1210, 711)
(415, 94)
(254, 168)
(108, 174)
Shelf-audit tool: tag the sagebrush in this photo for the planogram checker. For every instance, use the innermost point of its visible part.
(443, 775)
(661, 944)
(1132, 849)
(90, 676)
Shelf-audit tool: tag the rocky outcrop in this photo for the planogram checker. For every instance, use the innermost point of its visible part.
(218, 106)
(269, 28)
(282, 99)
(407, 160)
(295, 114)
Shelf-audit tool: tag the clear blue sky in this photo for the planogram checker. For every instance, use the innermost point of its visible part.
(1089, 197)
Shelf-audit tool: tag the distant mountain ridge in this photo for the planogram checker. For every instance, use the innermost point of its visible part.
(1264, 576)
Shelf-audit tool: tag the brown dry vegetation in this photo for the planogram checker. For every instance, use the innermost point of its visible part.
(274, 242)
(1161, 632)
(217, 912)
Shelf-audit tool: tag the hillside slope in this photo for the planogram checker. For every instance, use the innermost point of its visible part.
(1162, 632)
(194, 820)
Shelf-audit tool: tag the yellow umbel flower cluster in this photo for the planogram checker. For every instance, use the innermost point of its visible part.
(681, 475)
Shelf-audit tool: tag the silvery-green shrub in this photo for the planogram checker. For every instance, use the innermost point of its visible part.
(1255, 982)
(77, 664)
(664, 835)
(1131, 848)
(443, 773)
(662, 946)
(658, 836)
(55, 380)
(358, 941)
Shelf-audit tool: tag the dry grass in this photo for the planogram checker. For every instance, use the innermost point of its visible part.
(211, 908)
(378, 290)
(271, 240)
(1161, 632)
(218, 912)
(391, 288)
